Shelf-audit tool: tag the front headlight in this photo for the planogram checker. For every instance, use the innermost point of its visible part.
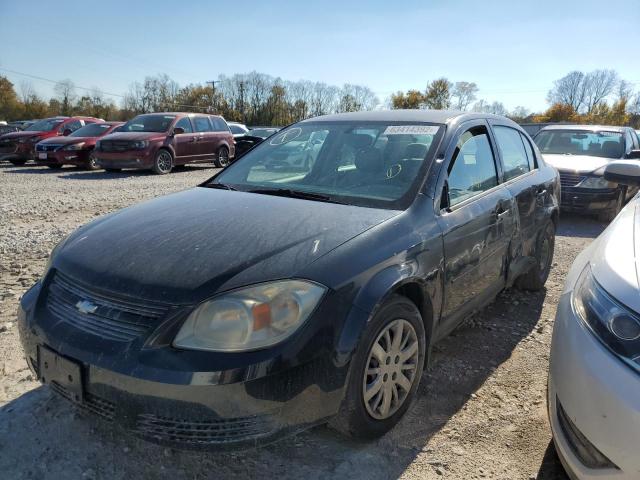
(614, 324)
(250, 318)
(596, 182)
(74, 146)
(139, 144)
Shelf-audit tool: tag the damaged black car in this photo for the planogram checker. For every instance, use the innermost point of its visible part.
(306, 283)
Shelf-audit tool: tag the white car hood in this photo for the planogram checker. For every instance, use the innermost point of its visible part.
(576, 163)
(615, 258)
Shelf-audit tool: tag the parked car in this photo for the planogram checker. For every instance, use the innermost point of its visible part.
(594, 373)
(580, 153)
(161, 141)
(264, 302)
(22, 124)
(246, 142)
(19, 147)
(74, 149)
(238, 129)
(8, 129)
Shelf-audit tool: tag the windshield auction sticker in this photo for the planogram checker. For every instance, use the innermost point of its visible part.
(286, 136)
(411, 130)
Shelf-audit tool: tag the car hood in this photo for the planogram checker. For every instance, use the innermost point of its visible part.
(134, 136)
(184, 247)
(67, 140)
(576, 163)
(17, 135)
(615, 258)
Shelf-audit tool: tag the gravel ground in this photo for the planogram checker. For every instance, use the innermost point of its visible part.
(480, 412)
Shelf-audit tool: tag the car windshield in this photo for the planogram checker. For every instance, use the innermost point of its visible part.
(148, 123)
(581, 142)
(236, 129)
(91, 130)
(44, 125)
(262, 132)
(368, 164)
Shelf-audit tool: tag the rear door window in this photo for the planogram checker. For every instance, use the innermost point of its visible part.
(514, 156)
(202, 124)
(530, 155)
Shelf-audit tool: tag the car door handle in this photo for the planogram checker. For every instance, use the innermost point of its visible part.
(502, 213)
(194, 139)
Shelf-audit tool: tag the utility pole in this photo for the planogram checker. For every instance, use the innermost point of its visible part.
(213, 98)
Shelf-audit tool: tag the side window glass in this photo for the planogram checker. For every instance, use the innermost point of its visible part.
(512, 150)
(184, 123)
(202, 124)
(73, 126)
(530, 155)
(473, 168)
(219, 125)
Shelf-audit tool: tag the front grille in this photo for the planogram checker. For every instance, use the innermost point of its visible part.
(117, 319)
(8, 146)
(115, 145)
(47, 147)
(570, 179)
(90, 403)
(209, 432)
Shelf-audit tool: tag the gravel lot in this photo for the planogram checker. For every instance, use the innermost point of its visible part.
(480, 413)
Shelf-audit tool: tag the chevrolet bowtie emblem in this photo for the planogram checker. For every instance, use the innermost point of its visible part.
(86, 307)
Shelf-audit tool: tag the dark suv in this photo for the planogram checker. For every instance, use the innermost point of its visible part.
(160, 141)
(18, 147)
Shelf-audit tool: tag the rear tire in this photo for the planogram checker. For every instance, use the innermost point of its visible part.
(163, 163)
(535, 278)
(384, 374)
(222, 157)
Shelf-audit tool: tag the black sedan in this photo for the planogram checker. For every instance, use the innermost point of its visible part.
(265, 301)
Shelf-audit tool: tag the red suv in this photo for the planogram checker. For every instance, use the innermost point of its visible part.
(75, 149)
(18, 147)
(160, 141)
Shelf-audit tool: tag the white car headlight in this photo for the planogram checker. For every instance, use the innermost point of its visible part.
(615, 325)
(596, 182)
(250, 318)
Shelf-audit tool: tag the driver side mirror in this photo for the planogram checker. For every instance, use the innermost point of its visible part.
(67, 132)
(633, 154)
(178, 130)
(625, 172)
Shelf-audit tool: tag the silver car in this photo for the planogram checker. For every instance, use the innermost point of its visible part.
(580, 153)
(594, 372)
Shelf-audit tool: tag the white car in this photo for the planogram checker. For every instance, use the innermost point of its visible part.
(594, 372)
(580, 153)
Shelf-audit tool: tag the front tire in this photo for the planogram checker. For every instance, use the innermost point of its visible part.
(222, 157)
(163, 163)
(535, 278)
(92, 162)
(385, 371)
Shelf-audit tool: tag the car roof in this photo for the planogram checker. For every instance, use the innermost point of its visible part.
(185, 114)
(429, 116)
(588, 128)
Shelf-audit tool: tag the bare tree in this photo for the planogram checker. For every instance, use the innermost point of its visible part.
(598, 85)
(624, 90)
(463, 94)
(65, 91)
(570, 90)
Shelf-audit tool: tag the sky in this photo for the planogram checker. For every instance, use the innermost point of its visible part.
(513, 50)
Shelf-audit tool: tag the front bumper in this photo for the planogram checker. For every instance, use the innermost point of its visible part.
(600, 396)
(588, 199)
(63, 157)
(16, 151)
(138, 159)
(161, 396)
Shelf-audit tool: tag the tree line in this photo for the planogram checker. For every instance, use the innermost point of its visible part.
(254, 98)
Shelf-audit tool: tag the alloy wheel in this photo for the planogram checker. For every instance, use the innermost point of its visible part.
(391, 369)
(163, 161)
(223, 157)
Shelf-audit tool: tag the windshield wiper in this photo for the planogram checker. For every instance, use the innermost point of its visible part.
(287, 192)
(220, 186)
